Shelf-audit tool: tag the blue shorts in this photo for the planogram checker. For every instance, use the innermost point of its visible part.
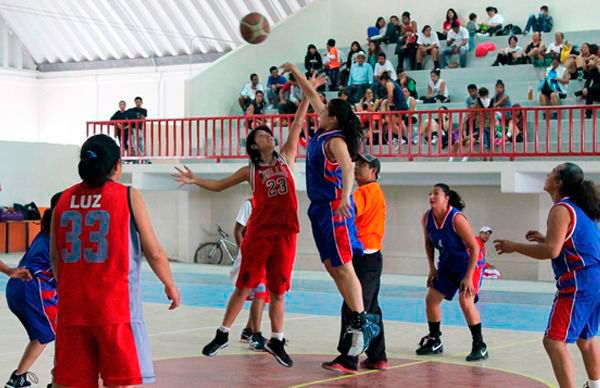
(35, 304)
(451, 275)
(334, 235)
(576, 310)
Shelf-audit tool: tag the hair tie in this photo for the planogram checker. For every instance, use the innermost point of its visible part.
(89, 154)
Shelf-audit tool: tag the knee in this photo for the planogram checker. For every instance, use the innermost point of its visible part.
(466, 302)
(585, 344)
(241, 292)
(277, 298)
(551, 345)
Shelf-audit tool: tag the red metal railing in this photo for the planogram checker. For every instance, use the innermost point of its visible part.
(436, 133)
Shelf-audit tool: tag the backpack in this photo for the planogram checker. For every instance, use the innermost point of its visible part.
(32, 212)
(510, 30)
(7, 214)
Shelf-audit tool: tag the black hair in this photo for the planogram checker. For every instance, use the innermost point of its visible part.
(454, 12)
(331, 42)
(259, 91)
(593, 48)
(272, 68)
(253, 153)
(488, 9)
(98, 157)
(544, 8)
(499, 82)
(381, 54)
(436, 71)
(311, 46)
(138, 98)
(343, 92)
(407, 14)
(454, 199)
(123, 101)
(425, 28)
(385, 76)
(472, 16)
(358, 44)
(348, 123)
(378, 20)
(291, 77)
(582, 192)
(483, 92)
(253, 75)
(455, 23)
(394, 17)
(471, 87)
(46, 222)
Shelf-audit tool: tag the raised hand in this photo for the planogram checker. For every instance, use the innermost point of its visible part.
(184, 177)
(317, 80)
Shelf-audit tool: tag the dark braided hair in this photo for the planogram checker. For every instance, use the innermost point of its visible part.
(582, 192)
(454, 199)
(98, 157)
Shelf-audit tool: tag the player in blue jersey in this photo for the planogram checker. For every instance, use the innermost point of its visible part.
(447, 230)
(572, 241)
(329, 180)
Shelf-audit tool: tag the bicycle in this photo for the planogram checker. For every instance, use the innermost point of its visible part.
(212, 252)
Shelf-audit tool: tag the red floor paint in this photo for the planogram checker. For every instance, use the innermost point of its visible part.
(261, 370)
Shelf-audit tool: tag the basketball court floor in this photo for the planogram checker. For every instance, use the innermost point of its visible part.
(514, 315)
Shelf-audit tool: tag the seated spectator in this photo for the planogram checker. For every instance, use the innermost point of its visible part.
(554, 86)
(516, 124)
(428, 44)
(394, 102)
(383, 65)
(343, 94)
(534, 51)
(121, 129)
(501, 99)
(380, 28)
(493, 24)
(555, 47)
(458, 43)
(274, 83)
(472, 27)
(249, 91)
(578, 65)
(373, 52)
(542, 22)
(312, 60)
(451, 17)
(290, 96)
(510, 55)
(407, 45)
(436, 89)
(392, 31)
(369, 103)
(333, 62)
(472, 95)
(406, 82)
(361, 77)
(434, 128)
(256, 107)
(591, 88)
(350, 60)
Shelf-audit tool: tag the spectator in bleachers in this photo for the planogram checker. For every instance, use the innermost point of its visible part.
(510, 55)
(578, 65)
(290, 96)
(394, 102)
(591, 88)
(483, 120)
(333, 62)
(373, 52)
(428, 44)
(393, 30)
(501, 99)
(407, 82)
(458, 43)
(256, 107)
(434, 128)
(554, 86)
(384, 65)
(361, 77)
(137, 129)
(343, 95)
(555, 47)
(380, 28)
(274, 83)
(472, 27)
(121, 129)
(436, 89)
(407, 45)
(451, 16)
(350, 60)
(494, 22)
(542, 22)
(472, 92)
(369, 103)
(249, 91)
(516, 124)
(534, 51)
(312, 60)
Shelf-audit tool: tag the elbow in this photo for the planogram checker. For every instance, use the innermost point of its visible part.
(155, 254)
(553, 251)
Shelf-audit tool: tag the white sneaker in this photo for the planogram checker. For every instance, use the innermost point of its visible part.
(464, 159)
(451, 159)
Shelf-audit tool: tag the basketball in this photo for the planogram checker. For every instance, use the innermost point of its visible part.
(254, 28)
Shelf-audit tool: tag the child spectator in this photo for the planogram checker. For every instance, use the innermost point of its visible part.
(472, 95)
(428, 44)
(451, 17)
(436, 89)
(472, 27)
(458, 43)
(248, 92)
(510, 55)
(493, 24)
(274, 83)
(542, 22)
(407, 46)
(332, 64)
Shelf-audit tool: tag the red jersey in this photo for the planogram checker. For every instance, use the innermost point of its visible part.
(99, 256)
(274, 201)
(482, 253)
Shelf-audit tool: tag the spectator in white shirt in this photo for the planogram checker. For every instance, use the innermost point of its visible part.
(510, 55)
(382, 65)
(494, 22)
(458, 43)
(556, 46)
(428, 44)
(248, 92)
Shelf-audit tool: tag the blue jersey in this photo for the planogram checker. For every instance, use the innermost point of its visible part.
(581, 248)
(323, 177)
(37, 258)
(452, 250)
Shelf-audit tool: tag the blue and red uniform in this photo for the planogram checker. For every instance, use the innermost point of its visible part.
(35, 302)
(453, 260)
(100, 331)
(576, 310)
(270, 240)
(335, 236)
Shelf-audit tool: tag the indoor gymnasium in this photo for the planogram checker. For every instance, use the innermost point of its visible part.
(295, 193)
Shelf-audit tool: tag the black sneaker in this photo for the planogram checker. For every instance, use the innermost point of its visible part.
(221, 341)
(478, 352)
(257, 342)
(18, 381)
(277, 349)
(246, 335)
(430, 345)
(362, 333)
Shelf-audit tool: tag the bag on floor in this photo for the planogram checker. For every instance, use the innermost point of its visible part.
(32, 213)
(8, 214)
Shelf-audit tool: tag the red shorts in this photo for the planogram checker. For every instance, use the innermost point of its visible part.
(119, 354)
(275, 255)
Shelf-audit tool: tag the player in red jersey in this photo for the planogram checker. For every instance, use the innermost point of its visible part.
(99, 230)
(270, 241)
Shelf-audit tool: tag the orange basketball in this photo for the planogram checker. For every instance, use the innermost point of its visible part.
(254, 28)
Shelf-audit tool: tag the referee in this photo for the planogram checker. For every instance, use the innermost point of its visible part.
(370, 223)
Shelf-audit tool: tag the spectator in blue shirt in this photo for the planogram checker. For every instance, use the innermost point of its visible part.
(361, 77)
(542, 22)
(274, 83)
(473, 94)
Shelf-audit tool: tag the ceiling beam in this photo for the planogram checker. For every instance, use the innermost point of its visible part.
(153, 27)
(76, 50)
(228, 20)
(199, 24)
(206, 8)
(95, 30)
(108, 27)
(157, 51)
(260, 7)
(124, 30)
(172, 32)
(82, 31)
(175, 13)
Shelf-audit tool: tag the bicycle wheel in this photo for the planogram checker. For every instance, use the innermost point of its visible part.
(208, 253)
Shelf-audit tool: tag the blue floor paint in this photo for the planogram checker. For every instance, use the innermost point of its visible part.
(499, 310)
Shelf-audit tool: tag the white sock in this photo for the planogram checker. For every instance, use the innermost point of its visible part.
(224, 329)
(277, 336)
(593, 383)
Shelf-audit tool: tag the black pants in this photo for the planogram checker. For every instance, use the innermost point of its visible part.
(410, 52)
(368, 270)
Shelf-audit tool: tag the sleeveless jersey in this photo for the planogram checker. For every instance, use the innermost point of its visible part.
(37, 259)
(99, 256)
(398, 100)
(323, 177)
(581, 248)
(274, 201)
(444, 238)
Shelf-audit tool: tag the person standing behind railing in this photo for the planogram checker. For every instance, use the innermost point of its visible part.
(137, 136)
(121, 129)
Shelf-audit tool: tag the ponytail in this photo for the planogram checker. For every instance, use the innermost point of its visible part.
(98, 157)
(582, 192)
(348, 123)
(454, 199)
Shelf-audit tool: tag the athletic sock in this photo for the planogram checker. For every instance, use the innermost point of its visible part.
(434, 329)
(593, 383)
(277, 336)
(224, 329)
(476, 333)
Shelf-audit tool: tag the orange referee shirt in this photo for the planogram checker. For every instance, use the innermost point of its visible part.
(370, 215)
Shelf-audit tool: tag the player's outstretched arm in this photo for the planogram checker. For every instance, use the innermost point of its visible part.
(15, 273)
(430, 253)
(309, 91)
(186, 177)
(153, 251)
